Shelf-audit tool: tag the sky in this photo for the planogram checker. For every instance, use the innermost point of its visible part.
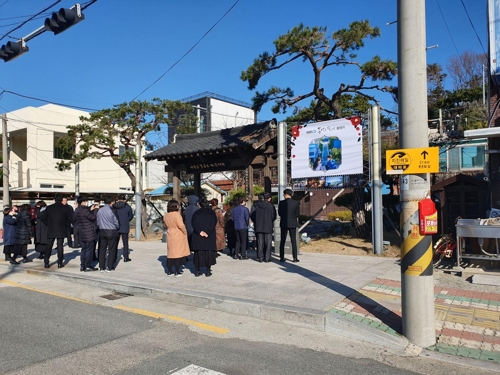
(122, 47)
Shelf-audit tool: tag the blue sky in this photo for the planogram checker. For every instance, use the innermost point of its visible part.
(124, 46)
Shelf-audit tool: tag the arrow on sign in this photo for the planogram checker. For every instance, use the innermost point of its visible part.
(424, 154)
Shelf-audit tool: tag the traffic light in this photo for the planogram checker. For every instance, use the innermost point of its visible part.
(12, 50)
(64, 19)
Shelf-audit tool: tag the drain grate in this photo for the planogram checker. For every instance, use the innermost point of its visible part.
(115, 295)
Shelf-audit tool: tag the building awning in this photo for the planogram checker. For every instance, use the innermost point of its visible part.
(482, 133)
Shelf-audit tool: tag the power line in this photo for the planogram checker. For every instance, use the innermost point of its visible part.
(46, 101)
(446, 24)
(42, 15)
(473, 28)
(30, 19)
(188, 52)
(5, 2)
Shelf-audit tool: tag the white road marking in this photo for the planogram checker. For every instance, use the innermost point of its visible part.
(196, 370)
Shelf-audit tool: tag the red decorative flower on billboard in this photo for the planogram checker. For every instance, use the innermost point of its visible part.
(355, 120)
(295, 131)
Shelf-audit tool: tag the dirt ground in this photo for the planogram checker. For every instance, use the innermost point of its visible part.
(350, 245)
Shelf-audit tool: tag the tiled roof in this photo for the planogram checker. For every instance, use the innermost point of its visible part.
(241, 136)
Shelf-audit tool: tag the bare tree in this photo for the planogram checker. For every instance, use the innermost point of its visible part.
(466, 70)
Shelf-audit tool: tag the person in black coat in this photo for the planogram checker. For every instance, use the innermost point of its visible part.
(23, 233)
(288, 209)
(40, 230)
(58, 219)
(263, 220)
(69, 229)
(9, 234)
(204, 242)
(84, 221)
(125, 214)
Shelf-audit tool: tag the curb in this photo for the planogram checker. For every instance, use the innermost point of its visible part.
(317, 320)
(463, 361)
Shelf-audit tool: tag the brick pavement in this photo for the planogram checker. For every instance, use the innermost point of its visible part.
(467, 322)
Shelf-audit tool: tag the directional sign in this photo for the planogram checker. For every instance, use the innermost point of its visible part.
(412, 160)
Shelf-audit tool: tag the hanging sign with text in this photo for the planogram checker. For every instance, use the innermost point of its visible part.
(412, 160)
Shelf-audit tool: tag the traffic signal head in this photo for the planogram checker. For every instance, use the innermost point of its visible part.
(12, 50)
(64, 19)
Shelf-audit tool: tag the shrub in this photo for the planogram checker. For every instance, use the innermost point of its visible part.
(340, 215)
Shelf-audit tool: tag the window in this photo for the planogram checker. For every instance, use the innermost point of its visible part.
(60, 153)
(51, 186)
(463, 157)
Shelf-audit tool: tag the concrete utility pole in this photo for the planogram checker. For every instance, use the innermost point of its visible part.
(77, 180)
(138, 192)
(377, 208)
(5, 163)
(417, 281)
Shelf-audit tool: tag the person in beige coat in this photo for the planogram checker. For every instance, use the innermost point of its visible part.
(177, 241)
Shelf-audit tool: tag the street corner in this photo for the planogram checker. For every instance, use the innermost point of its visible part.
(377, 305)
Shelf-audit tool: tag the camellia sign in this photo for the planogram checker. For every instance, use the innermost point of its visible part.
(329, 148)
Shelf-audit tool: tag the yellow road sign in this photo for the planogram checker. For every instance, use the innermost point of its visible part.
(412, 160)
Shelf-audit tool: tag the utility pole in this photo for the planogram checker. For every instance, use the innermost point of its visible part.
(5, 162)
(138, 192)
(376, 171)
(77, 180)
(417, 283)
(198, 121)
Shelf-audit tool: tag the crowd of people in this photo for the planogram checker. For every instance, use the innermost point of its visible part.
(203, 229)
(96, 229)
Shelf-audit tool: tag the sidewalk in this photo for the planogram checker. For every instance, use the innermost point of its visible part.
(354, 296)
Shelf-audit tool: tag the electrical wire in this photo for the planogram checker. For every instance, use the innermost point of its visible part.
(188, 52)
(446, 24)
(47, 101)
(30, 19)
(473, 28)
(5, 2)
(42, 15)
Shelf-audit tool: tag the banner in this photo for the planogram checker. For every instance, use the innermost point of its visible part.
(329, 148)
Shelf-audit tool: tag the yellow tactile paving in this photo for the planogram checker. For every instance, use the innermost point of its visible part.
(459, 319)
(440, 315)
(462, 310)
(381, 297)
(437, 306)
(486, 324)
(484, 314)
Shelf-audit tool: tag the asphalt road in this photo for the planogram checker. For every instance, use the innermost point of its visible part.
(43, 334)
(50, 326)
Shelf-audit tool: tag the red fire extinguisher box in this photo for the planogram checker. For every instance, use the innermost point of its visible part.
(428, 216)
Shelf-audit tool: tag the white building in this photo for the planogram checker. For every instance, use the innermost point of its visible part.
(34, 153)
(214, 112)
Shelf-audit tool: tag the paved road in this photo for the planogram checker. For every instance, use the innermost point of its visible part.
(52, 327)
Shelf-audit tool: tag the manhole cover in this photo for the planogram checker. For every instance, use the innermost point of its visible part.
(114, 296)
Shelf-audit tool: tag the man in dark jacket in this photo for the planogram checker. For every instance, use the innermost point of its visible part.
(125, 214)
(263, 218)
(108, 235)
(241, 218)
(288, 209)
(58, 219)
(69, 230)
(188, 216)
(84, 222)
